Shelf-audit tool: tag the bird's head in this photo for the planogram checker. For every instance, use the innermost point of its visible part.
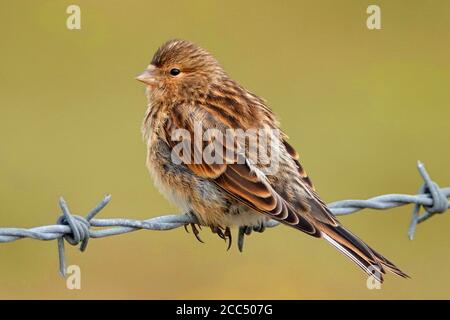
(181, 69)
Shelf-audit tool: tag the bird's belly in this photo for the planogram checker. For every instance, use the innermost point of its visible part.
(172, 180)
(242, 216)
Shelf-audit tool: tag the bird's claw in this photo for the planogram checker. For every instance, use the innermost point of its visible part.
(228, 235)
(224, 234)
(247, 230)
(194, 231)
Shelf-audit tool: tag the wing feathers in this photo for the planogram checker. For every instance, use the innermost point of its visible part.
(263, 204)
(306, 212)
(258, 188)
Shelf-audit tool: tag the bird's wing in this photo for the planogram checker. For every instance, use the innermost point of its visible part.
(319, 209)
(246, 183)
(236, 176)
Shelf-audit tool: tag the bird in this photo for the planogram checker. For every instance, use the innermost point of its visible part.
(189, 92)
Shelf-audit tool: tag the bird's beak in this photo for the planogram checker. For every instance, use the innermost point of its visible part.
(148, 76)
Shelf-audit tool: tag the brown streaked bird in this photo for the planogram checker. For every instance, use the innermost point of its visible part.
(186, 85)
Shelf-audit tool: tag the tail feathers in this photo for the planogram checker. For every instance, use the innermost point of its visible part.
(365, 257)
(390, 266)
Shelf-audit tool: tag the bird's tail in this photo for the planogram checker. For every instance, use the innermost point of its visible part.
(366, 258)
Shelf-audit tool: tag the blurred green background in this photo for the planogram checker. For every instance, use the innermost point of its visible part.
(360, 106)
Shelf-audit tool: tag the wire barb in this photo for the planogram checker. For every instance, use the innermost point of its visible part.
(79, 227)
(439, 204)
(77, 230)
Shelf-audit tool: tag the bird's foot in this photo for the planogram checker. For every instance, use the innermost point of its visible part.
(194, 230)
(223, 233)
(261, 228)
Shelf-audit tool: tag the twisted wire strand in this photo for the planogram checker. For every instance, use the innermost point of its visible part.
(77, 230)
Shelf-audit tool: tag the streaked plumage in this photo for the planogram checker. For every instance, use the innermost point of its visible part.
(231, 193)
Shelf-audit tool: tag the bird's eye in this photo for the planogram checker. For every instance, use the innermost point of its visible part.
(174, 72)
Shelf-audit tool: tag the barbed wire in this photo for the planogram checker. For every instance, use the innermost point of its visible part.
(77, 230)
